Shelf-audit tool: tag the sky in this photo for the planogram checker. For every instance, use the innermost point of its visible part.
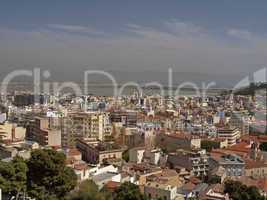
(222, 37)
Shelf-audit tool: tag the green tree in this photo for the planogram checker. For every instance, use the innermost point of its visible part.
(7, 173)
(212, 179)
(239, 191)
(88, 190)
(48, 176)
(20, 177)
(125, 156)
(129, 191)
(209, 145)
(13, 177)
(263, 146)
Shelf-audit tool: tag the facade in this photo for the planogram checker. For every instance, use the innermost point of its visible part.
(172, 142)
(197, 162)
(233, 165)
(231, 134)
(136, 154)
(96, 152)
(89, 125)
(256, 169)
(12, 132)
(127, 118)
(44, 130)
(241, 122)
(155, 190)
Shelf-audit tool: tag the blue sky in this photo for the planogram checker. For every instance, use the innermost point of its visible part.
(207, 36)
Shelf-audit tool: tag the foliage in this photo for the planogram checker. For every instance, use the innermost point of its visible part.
(13, 176)
(209, 145)
(213, 179)
(88, 190)
(129, 191)
(239, 191)
(48, 175)
(263, 146)
(125, 156)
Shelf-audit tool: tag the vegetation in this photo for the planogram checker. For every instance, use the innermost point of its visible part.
(263, 146)
(44, 176)
(125, 156)
(13, 177)
(48, 175)
(209, 145)
(212, 179)
(239, 191)
(88, 190)
(129, 191)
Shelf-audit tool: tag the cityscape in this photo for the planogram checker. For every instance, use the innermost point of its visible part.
(173, 107)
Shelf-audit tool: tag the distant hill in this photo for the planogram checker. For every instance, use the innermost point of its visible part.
(251, 89)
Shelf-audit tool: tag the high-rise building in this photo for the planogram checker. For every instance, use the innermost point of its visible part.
(84, 124)
(231, 134)
(238, 120)
(46, 131)
(127, 118)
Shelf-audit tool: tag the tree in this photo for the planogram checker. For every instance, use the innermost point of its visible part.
(7, 173)
(88, 190)
(213, 179)
(239, 191)
(125, 156)
(129, 191)
(20, 177)
(13, 177)
(48, 176)
(209, 145)
(263, 146)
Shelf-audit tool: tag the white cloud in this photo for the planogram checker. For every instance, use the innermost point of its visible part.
(240, 34)
(75, 29)
(183, 28)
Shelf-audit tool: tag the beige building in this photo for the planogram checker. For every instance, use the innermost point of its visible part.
(174, 141)
(158, 190)
(93, 125)
(12, 132)
(255, 169)
(97, 152)
(231, 134)
(194, 161)
(46, 131)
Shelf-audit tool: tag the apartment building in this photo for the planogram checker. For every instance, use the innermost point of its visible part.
(233, 165)
(255, 168)
(240, 121)
(11, 132)
(97, 152)
(156, 191)
(231, 134)
(127, 118)
(84, 124)
(197, 161)
(46, 131)
(174, 141)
